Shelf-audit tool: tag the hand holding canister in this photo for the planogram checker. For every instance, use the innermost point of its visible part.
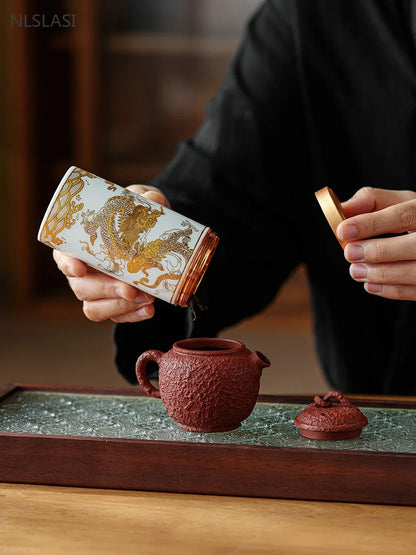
(128, 237)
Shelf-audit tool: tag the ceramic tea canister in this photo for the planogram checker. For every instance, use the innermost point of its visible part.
(127, 236)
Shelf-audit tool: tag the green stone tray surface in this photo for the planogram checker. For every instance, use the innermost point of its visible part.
(129, 417)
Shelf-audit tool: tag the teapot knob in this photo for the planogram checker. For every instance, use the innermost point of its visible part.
(325, 401)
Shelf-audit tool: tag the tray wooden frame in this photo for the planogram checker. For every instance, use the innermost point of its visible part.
(200, 468)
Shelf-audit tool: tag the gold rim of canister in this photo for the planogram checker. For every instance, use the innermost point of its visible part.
(197, 269)
(332, 209)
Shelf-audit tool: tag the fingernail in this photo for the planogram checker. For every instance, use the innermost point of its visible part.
(354, 253)
(144, 312)
(348, 232)
(142, 298)
(69, 272)
(120, 293)
(373, 287)
(358, 271)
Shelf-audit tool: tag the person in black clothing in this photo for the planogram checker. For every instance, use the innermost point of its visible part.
(320, 92)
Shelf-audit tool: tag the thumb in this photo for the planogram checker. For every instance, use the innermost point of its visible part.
(363, 201)
(369, 199)
(151, 193)
(156, 196)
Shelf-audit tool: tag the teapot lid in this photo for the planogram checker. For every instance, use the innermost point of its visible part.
(331, 417)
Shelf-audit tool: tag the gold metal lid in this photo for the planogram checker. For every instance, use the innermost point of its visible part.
(197, 269)
(332, 209)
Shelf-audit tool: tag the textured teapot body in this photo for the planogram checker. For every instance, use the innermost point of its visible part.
(206, 385)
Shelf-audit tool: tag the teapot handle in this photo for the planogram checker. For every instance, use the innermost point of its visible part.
(142, 378)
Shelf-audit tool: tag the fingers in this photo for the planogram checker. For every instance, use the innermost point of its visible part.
(105, 298)
(400, 273)
(113, 300)
(118, 310)
(143, 313)
(388, 249)
(71, 267)
(398, 218)
(391, 280)
(386, 267)
(96, 285)
(395, 292)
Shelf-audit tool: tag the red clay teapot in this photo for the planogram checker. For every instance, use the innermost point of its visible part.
(205, 384)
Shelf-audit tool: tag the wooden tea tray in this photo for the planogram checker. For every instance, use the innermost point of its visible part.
(266, 457)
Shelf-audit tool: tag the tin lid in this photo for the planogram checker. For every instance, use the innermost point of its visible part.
(332, 209)
(196, 269)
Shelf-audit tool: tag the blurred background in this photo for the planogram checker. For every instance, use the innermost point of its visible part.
(110, 86)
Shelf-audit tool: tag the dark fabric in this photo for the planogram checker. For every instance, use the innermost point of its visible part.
(321, 92)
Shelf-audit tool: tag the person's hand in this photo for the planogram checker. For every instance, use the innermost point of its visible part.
(386, 265)
(105, 297)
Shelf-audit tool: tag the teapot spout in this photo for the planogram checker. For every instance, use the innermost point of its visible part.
(259, 361)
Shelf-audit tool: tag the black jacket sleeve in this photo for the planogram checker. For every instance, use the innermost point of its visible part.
(237, 175)
(320, 93)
